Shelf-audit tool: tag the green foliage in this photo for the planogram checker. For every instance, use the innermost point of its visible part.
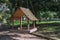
(46, 15)
(40, 8)
(42, 5)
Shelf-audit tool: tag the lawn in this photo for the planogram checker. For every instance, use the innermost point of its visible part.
(43, 28)
(42, 22)
(45, 22)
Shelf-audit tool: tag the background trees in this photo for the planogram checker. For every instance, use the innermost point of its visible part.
(40, 8)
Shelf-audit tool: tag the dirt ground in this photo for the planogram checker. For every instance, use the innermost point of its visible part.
(17, 35)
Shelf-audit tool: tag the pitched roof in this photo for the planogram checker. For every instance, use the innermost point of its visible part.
(23, 11)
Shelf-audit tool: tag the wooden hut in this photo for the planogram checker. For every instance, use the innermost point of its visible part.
(20, 12)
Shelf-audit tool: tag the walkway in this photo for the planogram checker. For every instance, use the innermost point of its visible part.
(14, 35)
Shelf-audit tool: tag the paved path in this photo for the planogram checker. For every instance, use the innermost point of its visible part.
(9, 35)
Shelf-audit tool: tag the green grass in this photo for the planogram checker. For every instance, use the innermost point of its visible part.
(49, 28)
(23, 22)
(43, 22)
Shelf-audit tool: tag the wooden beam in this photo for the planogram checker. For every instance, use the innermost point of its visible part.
(28, 25)
(21, 23)
(34, 24)
(12, 24)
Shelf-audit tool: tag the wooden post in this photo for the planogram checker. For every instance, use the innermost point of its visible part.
(34, 24)
(13, 24)
(28, 24)
(21, 23)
